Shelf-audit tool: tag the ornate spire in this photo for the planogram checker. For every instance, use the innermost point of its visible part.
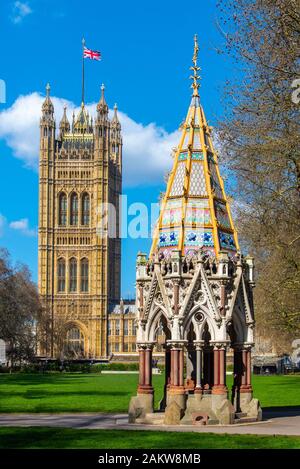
(195, 213)
(102, 107)
(195, 77)
(115, 120)
(47, 106)
(64, 124)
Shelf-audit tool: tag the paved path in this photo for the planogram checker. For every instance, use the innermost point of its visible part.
(279, 423)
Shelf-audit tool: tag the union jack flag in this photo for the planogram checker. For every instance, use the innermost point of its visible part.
(91, 54)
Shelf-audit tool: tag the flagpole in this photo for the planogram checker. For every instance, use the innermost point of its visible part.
(82, 94)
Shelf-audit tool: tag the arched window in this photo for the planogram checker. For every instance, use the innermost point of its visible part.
(85, 209)
(84, 275)
(62, 209)
(73, 275)
(74, 209)
(74, 343)
(61, 275)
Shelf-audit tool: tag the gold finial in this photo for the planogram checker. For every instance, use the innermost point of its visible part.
(195, 77)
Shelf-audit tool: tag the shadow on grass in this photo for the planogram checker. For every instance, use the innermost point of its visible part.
(40, 394)
(42, 379)
(284, 411)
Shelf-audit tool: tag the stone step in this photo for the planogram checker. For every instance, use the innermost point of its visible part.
(152, 418)
(245, 420)
(213, 422)
(155, 415)
(239, 415)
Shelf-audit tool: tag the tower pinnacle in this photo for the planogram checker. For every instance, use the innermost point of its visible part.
(195, 77)
(47, 106)
(115, 120)
(64, 123)
(102, 107)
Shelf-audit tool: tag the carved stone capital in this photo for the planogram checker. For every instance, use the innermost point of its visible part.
(145, 345)
(199, 344)
(176, 344)
(220, 345)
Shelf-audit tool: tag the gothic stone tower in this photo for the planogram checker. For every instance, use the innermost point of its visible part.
(196, 287)
(79, 267)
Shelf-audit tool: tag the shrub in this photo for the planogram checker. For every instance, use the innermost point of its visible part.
(98, 367)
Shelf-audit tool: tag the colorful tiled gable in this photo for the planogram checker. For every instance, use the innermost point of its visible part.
(195, 213)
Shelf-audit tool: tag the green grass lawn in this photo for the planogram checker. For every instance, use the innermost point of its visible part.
(111, 393)
(45, 437)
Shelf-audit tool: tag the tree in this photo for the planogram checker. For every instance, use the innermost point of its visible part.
(20, 309)
(260, 134)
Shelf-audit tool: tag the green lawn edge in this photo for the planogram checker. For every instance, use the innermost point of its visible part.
(70, 438)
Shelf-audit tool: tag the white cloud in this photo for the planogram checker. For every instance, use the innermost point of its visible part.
(147, 151)
(22, 226)
(19, 126)
(146, 148)
(20, 11)
(2, 223)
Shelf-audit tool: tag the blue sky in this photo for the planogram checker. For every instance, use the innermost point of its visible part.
(146, 48)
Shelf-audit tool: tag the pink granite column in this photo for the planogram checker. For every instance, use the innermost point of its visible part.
(216, 367)
(180, 367)
(220, 369)
(148, 367)
(145, 370)
(177, 368)
(222, 361)
(141, 367)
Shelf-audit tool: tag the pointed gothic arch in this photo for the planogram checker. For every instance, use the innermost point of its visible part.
(153, 321)
(62, 209)
(85, 209)
(73, 275)
(199, 323)
(74, 208)
(75, 338)
(61, 275)
(84, 275)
